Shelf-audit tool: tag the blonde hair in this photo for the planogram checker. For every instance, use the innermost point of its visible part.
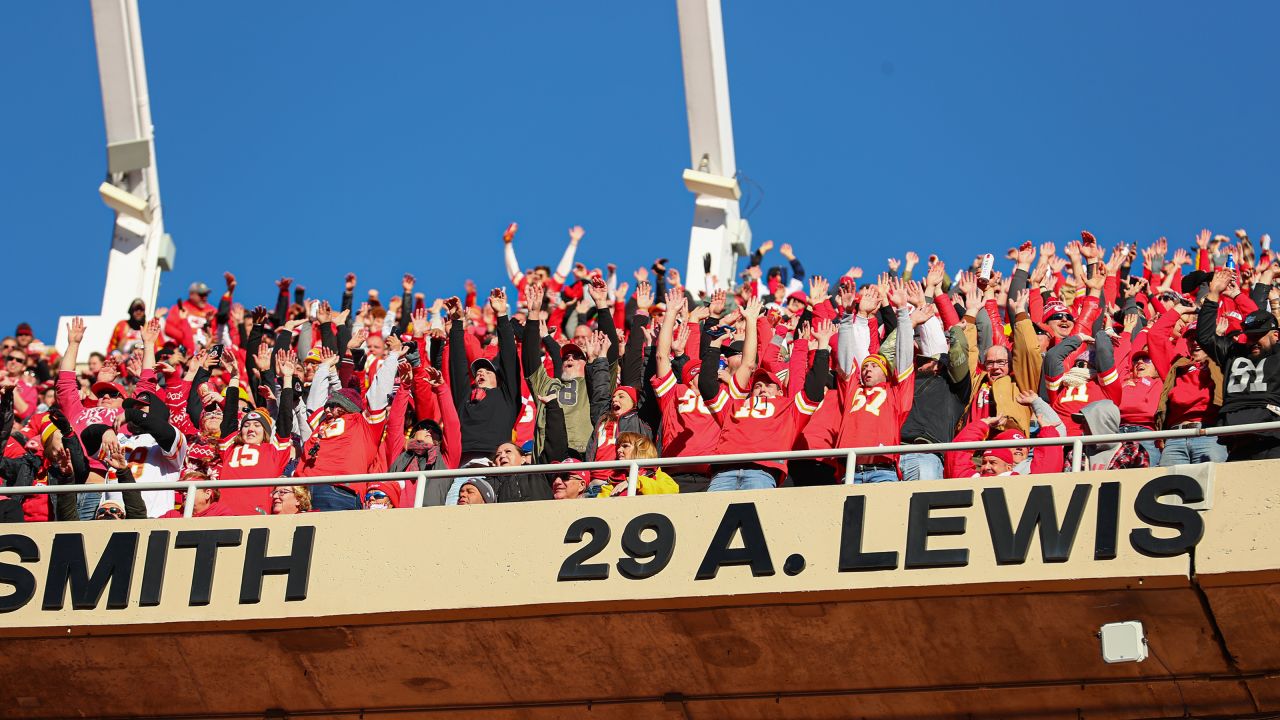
(644, 448)
(303, 493)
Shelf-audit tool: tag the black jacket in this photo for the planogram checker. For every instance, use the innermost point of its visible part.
(486, 423)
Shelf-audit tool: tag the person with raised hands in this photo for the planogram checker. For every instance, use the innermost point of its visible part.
(690, 426)
(253, 444)
(762, 417)
(569, 388)
(346, 431)
(1249, 362)
(878, 405)
(485, 391)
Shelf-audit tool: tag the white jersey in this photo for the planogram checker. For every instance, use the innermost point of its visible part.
(151, 463)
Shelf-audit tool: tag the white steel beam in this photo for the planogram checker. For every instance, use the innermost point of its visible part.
(133, 266)
(717, 227)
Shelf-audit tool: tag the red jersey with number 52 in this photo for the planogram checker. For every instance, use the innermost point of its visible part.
(875, 415)
(241, 461)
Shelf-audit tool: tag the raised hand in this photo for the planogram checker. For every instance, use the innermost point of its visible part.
(358, 338)
(673, 277)
(912, 259)
(894, 264)
(752, 310)
(75, 330)
(870, 300)
(328, 357)
(406, 282)
(453, 306)
(822, 330)
(575, 234)
(394, 344)
(151, 332)
(718, 299)
(286, 363)
(229, 363)
(1026, 397)
(263, 357)
(1018, 304)
(349, 283)
(284, 283)
(644, 295)
(915, 294)
(937, 273)
(599, 290)
(1026, 255)
(230, 280)
(819, 290)
(498, 301)
(897, 294)
(787, 252)
(1097, 280)
(134, 365)
(681, 339)
(1048, 249)
(420, 321)
(765, 246)
(641, 274)
(846, 296)
(854, 272)
(110, 371)
(534, 295)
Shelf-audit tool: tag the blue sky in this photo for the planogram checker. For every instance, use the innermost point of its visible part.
(315, 138)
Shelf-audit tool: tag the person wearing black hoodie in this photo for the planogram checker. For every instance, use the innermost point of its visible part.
(486, 392)
(14, 471)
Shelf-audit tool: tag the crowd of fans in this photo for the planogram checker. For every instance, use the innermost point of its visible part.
(578, 365)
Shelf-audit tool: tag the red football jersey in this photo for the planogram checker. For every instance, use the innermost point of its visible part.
(874, 416)
(1069, 399)
(246, 462)
(763, 424)
(346, 445)
(690, 427)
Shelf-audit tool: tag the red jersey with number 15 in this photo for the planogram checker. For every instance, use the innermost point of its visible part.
(763, 424)
(241, 461)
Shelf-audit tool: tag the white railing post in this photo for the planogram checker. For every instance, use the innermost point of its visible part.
(420, 491)
(633, 479)
(189, 502)
(850, 467)
(1077, 454)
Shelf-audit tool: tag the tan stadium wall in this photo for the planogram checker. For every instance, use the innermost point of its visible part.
(503, 560)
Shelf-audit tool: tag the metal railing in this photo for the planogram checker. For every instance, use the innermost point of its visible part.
(850, 456)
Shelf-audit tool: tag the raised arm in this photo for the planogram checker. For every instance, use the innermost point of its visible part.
(1216, 346)
(676, 302)
(604, 318)
(531, 348)
(750, 344)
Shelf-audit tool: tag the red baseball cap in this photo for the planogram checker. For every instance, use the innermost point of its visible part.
(100, 387)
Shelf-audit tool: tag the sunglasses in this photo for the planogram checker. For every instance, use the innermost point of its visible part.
(107, 394)
(1058, 316)
(17, 359)
(375, 495)
(109, 513)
